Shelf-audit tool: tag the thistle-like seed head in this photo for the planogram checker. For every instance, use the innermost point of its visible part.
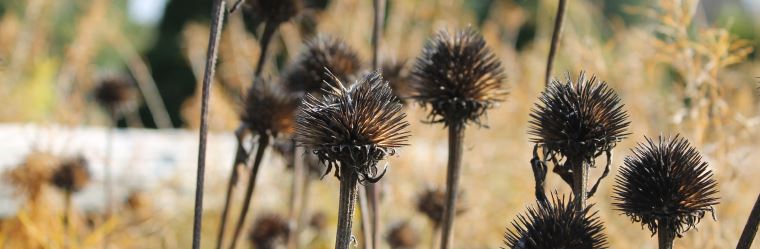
(269, 109)
(307, 73)
(665, 180)
(72, 175)
(431, 202)
(578, 119)
(403, 236)
(275, 11)
(268, 231)
(556, 225)
(457, 77)
(116, 94)
(354, 126)
(398, 76)
(33, 174)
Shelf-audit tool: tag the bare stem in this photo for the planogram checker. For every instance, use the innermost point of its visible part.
(107, 188)
(346, 205)
(296, 196)
(379, 12)
(556, 35)
(373, 189)
(217, 19)
(241, 157)
(365, 218)
(580, 182)
(435, 234)
(266, 37)
(750, 230)
(261, 148)
(665, 234)
(456, 135)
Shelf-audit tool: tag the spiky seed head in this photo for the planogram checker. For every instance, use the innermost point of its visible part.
(431, 202)
(307, 73)
(72, 175)
(275, 11)
(32, 174)
(403, 236)
(268, 108)
(116, 94)
(578, 119)
(269, 230)
(458, 77)
(556, 224)
(398, 76)
(354, 126)
(665, 180)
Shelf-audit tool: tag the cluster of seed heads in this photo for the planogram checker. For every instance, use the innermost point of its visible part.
(665, 181)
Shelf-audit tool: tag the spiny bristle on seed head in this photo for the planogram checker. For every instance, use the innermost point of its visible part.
(354, 126)
(72, 175)
(665, 180)
(307, 73)
(268, 108)
(403, 236)
(578, 119)
(556, 224)
(398, 76)
(431, 202)
(458, 77)
(116, 94)
(268, 231)
(274, 11)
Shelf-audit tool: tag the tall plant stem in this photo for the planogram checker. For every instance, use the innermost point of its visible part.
(366, 224)
(296, 196)
(67, 219)
(556, 35)
(750, 230)
(665, 234)
(435, 233)
(241, 157)
(217, 18)
(456, 135)
(346, 204)
(107, 185)
(266, 37)
(261, 148)
(580, 183)
(377, 26)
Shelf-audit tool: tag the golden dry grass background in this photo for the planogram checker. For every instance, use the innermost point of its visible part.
(653, 73)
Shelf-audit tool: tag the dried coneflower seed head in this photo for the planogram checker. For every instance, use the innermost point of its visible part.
(431, 202)
(398, 76)
(72, 175)
(578, 119)
(34, 173)
(556, 225)
(307, 73)
(457, 77)
(403, 236)
(268, 231)
(354, 126)
(116, 94)
(665, 180)
(269, 108)
(318, 221)
(275, 11)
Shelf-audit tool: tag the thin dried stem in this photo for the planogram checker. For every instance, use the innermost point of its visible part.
(217, 19)
(750, 230)
(456, 135)
(241, 157)
(261, 148)
(266, 37)
(580, 183)
(346, 204)
(296, 196)
(373, 189)
(665, 234)
(366, 224)
(556, 35)
(107, 185)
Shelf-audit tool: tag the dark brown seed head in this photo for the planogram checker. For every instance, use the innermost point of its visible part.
(398, 76)
(458, 77)
(431, 202)
(33, 174)
(556, 225)
(354, 126)
(403, 236)
(665, 180)
(116, 94)
(72, 175)
(318, 221)
(274, 11)
(578, 119)
(268, 231)
(307, 73)
(268, 108)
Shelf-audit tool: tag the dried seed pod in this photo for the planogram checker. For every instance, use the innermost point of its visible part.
(275, 11)
(72, 175)
(116, 94)
(269, 109)
(431, 202)
(397, 74)
(32, 174)
(307, 73)
(403, 236)
(268, 231)
(556, 225)
(354, 126)
(578, 119)
(457, 77)
(665, 181)
(318, 221)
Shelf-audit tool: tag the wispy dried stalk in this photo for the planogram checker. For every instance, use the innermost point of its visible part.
(263, 143)
(750, 230)
(556, 36)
